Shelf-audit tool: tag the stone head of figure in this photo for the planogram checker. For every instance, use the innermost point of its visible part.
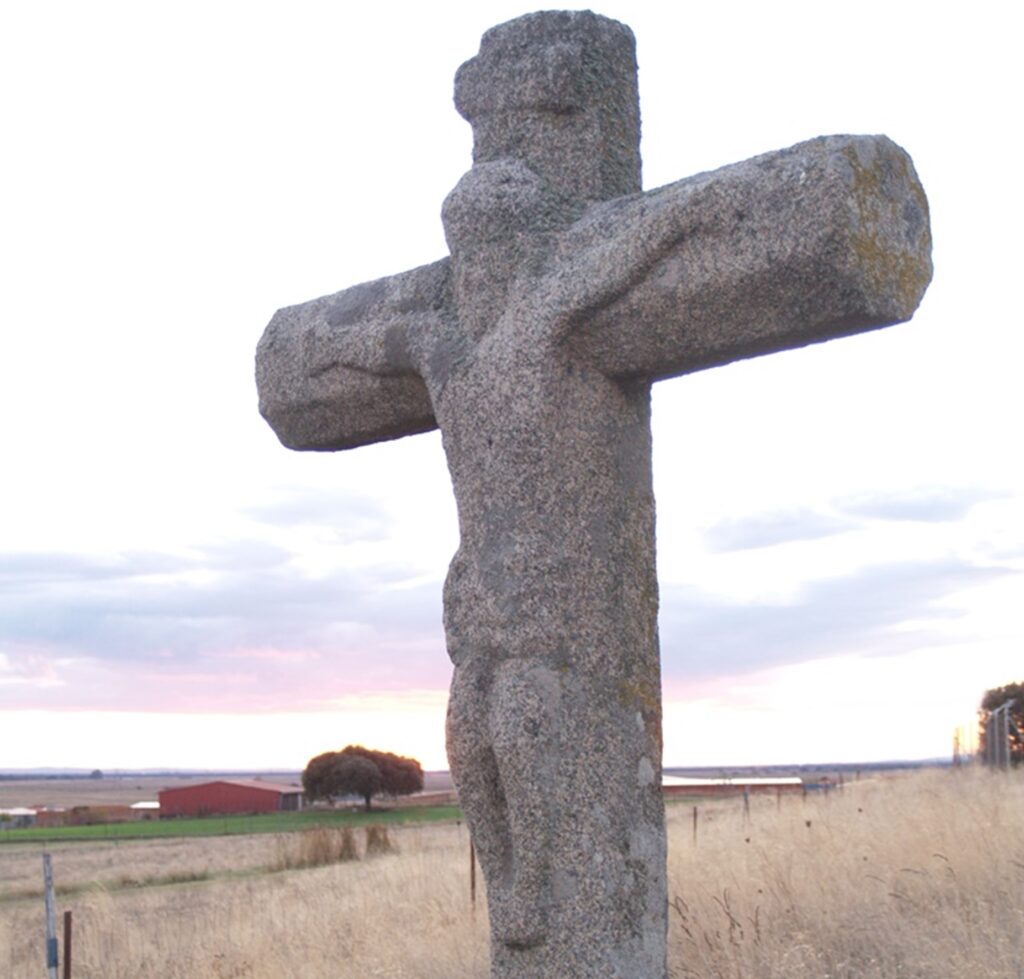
(557, 92)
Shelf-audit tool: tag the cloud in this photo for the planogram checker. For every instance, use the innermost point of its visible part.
(26, 669)
(234, 628)
(25, 568)
(226, 628)
(18, 570)
(931, 504)
(349, 516)
(776, 527)
(876, 611)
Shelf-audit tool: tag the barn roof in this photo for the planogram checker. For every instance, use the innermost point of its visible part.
(670, 780)
(257, 783)
(243, 783)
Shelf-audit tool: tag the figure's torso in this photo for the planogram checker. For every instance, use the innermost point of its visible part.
(550, 464)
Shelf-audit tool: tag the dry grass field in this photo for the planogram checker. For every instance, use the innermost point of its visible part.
(917, 877)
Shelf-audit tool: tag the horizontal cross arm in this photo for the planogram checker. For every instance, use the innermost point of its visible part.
(828, 238)
(336, 372)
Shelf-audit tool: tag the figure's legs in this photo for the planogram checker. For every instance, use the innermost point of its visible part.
(524, 728)
(501, 731)
(475, 770)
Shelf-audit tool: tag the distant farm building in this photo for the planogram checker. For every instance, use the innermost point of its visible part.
(229, 796)
(674, 785)
(17, 818)
(85, 815)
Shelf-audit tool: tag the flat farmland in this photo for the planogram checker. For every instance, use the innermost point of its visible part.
(918, 876)
(125, 790)
(68, 792)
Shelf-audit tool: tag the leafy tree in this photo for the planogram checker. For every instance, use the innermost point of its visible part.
(356, 770)
(354, 775)
(994, 699)
(317, 778)
(401, 775)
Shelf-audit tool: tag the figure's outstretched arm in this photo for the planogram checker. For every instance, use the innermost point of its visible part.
(827, 238)
(339, 371)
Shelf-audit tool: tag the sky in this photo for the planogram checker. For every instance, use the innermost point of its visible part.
(840, 528)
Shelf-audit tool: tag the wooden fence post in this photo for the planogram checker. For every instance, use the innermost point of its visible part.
(472, 874)
(51, 918)
(694, 825)
(67, 945)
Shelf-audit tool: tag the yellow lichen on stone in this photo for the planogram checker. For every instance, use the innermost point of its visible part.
(644, 696)
(892, 258)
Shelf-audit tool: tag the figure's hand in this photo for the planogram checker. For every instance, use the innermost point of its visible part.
(340, 371)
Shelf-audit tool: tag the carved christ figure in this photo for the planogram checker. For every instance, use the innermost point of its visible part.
(533, 348)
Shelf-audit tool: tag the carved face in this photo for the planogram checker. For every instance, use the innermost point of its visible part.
(557, 90)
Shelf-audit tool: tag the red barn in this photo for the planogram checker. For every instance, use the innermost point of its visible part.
(229, 796)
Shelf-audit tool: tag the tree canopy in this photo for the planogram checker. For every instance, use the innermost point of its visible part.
(356, 770)
(992, 701)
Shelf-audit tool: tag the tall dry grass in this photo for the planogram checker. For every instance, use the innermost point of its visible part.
(401, 913)
(318, 846)
(111, 864)
(916, 877)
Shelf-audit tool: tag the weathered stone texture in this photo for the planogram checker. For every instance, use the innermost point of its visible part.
(557, 91)
(533, 348)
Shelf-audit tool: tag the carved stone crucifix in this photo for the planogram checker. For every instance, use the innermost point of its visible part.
(533, 348)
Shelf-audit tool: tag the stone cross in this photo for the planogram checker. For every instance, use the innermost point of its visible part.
(533, 348)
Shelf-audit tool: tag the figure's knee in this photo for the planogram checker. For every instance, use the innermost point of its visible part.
(466, 723)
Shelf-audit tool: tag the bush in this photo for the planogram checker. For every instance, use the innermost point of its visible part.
(378, 840)
(319, 846)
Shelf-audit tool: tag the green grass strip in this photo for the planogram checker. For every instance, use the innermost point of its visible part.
(274, 822)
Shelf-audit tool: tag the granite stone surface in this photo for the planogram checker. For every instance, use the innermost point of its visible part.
(533, 347)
